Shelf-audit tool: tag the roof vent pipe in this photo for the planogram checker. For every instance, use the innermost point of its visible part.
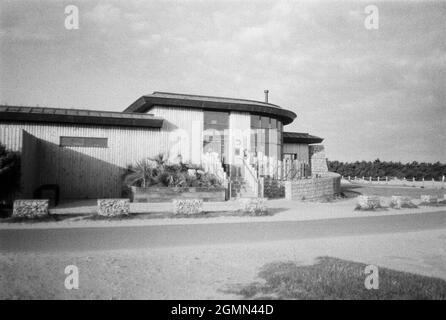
(266, 95)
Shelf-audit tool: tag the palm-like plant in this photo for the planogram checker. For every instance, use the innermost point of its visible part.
(161, 159)
(158, 171)
(142, 174)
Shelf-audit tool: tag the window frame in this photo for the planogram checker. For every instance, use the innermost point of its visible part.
(83, 142)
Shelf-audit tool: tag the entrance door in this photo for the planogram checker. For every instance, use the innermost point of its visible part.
(239, 132)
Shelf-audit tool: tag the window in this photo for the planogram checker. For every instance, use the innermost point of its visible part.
(273, 123)
(87, 142)
(215, 131)
(255, 121)
(216, 119)
(266, 136)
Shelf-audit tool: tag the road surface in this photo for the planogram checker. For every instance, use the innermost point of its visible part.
(108, 238)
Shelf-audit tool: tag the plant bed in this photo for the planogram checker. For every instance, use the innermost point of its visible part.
(170, 215)
(157, 180)
(168, 194)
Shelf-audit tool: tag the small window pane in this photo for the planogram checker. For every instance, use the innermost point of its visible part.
(255, 121)
(87, 142)
(216, 118)
(265, 122)
(273, 123)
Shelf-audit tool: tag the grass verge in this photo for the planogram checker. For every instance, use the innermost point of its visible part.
(333, 278)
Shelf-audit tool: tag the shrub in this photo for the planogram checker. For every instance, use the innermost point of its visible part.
(9, 173)
(158, 172)
(142, 174)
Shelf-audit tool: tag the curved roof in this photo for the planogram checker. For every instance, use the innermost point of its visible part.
(79, 116)
(299, 137)
(146, 102)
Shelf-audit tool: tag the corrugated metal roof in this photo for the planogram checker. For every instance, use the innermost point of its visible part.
(146, 102)
(209, 98)
(300, 137)
(78, 116)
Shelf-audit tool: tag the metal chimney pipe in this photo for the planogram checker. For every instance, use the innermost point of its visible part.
(266, 95)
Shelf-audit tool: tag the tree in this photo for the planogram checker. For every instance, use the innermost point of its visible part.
(378, 168)
(9, 173)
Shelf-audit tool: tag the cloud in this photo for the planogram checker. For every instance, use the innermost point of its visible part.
(151, 41)
(104, 14)
(369, 93)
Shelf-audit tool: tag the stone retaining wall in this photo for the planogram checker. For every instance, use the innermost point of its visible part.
(326, 186)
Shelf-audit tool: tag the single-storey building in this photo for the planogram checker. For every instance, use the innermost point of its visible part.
(85, 152)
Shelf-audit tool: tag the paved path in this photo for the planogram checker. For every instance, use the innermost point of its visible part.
(84, 239)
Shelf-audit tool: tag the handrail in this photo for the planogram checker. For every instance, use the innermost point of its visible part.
(253, 176)
(249, 169)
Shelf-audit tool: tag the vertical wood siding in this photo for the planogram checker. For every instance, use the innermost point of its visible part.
(182, 132)
(79, 171)
(300, 149)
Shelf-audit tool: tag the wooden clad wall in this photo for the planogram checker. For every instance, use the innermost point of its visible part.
(298, 148)
(83, 172)
(182, 132)
(30, 164)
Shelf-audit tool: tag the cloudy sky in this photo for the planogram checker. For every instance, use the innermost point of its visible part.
(370, 93)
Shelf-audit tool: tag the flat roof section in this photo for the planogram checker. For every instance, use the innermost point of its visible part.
(299, 137)
(78, 116)
(146, 102)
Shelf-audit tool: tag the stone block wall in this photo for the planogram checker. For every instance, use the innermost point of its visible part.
(187, 206)
(113, 207)
(30, 208)
(318, 160)
(314, 188)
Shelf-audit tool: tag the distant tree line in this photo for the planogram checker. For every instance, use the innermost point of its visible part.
(390, 169)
